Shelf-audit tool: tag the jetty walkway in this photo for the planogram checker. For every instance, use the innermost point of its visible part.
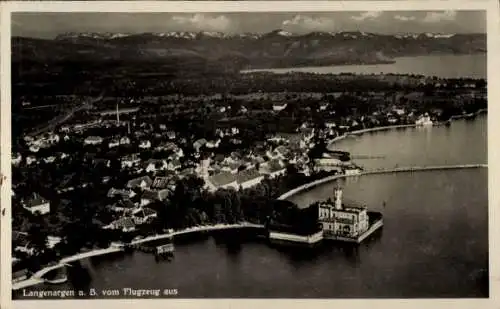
(379, 171)
(37, 277)
(203, 228)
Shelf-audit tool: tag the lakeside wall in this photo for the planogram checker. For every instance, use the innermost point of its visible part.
(379, 171)
(398, 126)
(358, 132)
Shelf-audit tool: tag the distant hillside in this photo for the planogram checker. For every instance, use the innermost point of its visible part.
(274, 49)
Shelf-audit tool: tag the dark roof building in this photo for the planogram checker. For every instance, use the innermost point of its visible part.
(163, 182)
(155, 195)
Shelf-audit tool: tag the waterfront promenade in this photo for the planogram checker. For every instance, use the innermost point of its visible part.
(379, 171)
(37, 277)
(204, 228)
(360, 132)
(398, 126)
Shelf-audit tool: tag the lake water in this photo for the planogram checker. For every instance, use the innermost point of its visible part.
(434, 242)
(445, 66)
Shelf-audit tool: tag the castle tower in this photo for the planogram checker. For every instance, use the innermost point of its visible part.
(338, 198)
(117, 115)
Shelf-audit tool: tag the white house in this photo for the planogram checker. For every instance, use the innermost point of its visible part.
(145, 144)
(399, 111)
(280, 153)
(52, 241)
(179, 153)
(124, 194)
(30, 160)
(53, 138)
(124, 140)
(34, 148)
(199, 143)
(28, 139)
(323, 106)
(278, 107)
(65, 129)
(50, 159)
(37, 204)
(235, 131)
(174, 165)
(156, 165)
(167, 146)
(130, 161)
(213, 144)
(171, 135)
(16, 159)
(330, 125)
(424, 120)
(22, 243)
(93, 140)
(351, 171)
(114, 143)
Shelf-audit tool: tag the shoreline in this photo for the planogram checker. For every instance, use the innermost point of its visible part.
(375, 129)
(402, 126)
(37, 277)
(271, 70)
(375, 62)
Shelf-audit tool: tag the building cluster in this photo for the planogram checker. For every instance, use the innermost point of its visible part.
(154, 179)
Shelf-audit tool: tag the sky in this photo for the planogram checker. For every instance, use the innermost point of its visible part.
(48, 25)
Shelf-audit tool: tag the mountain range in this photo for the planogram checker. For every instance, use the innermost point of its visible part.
(277, 48)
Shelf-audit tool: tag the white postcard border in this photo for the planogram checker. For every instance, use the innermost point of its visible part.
(493, 53)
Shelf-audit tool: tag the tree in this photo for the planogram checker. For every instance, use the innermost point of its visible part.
(480, 83)
(37, 237)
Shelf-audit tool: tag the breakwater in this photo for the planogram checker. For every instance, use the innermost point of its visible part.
(378, 171)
